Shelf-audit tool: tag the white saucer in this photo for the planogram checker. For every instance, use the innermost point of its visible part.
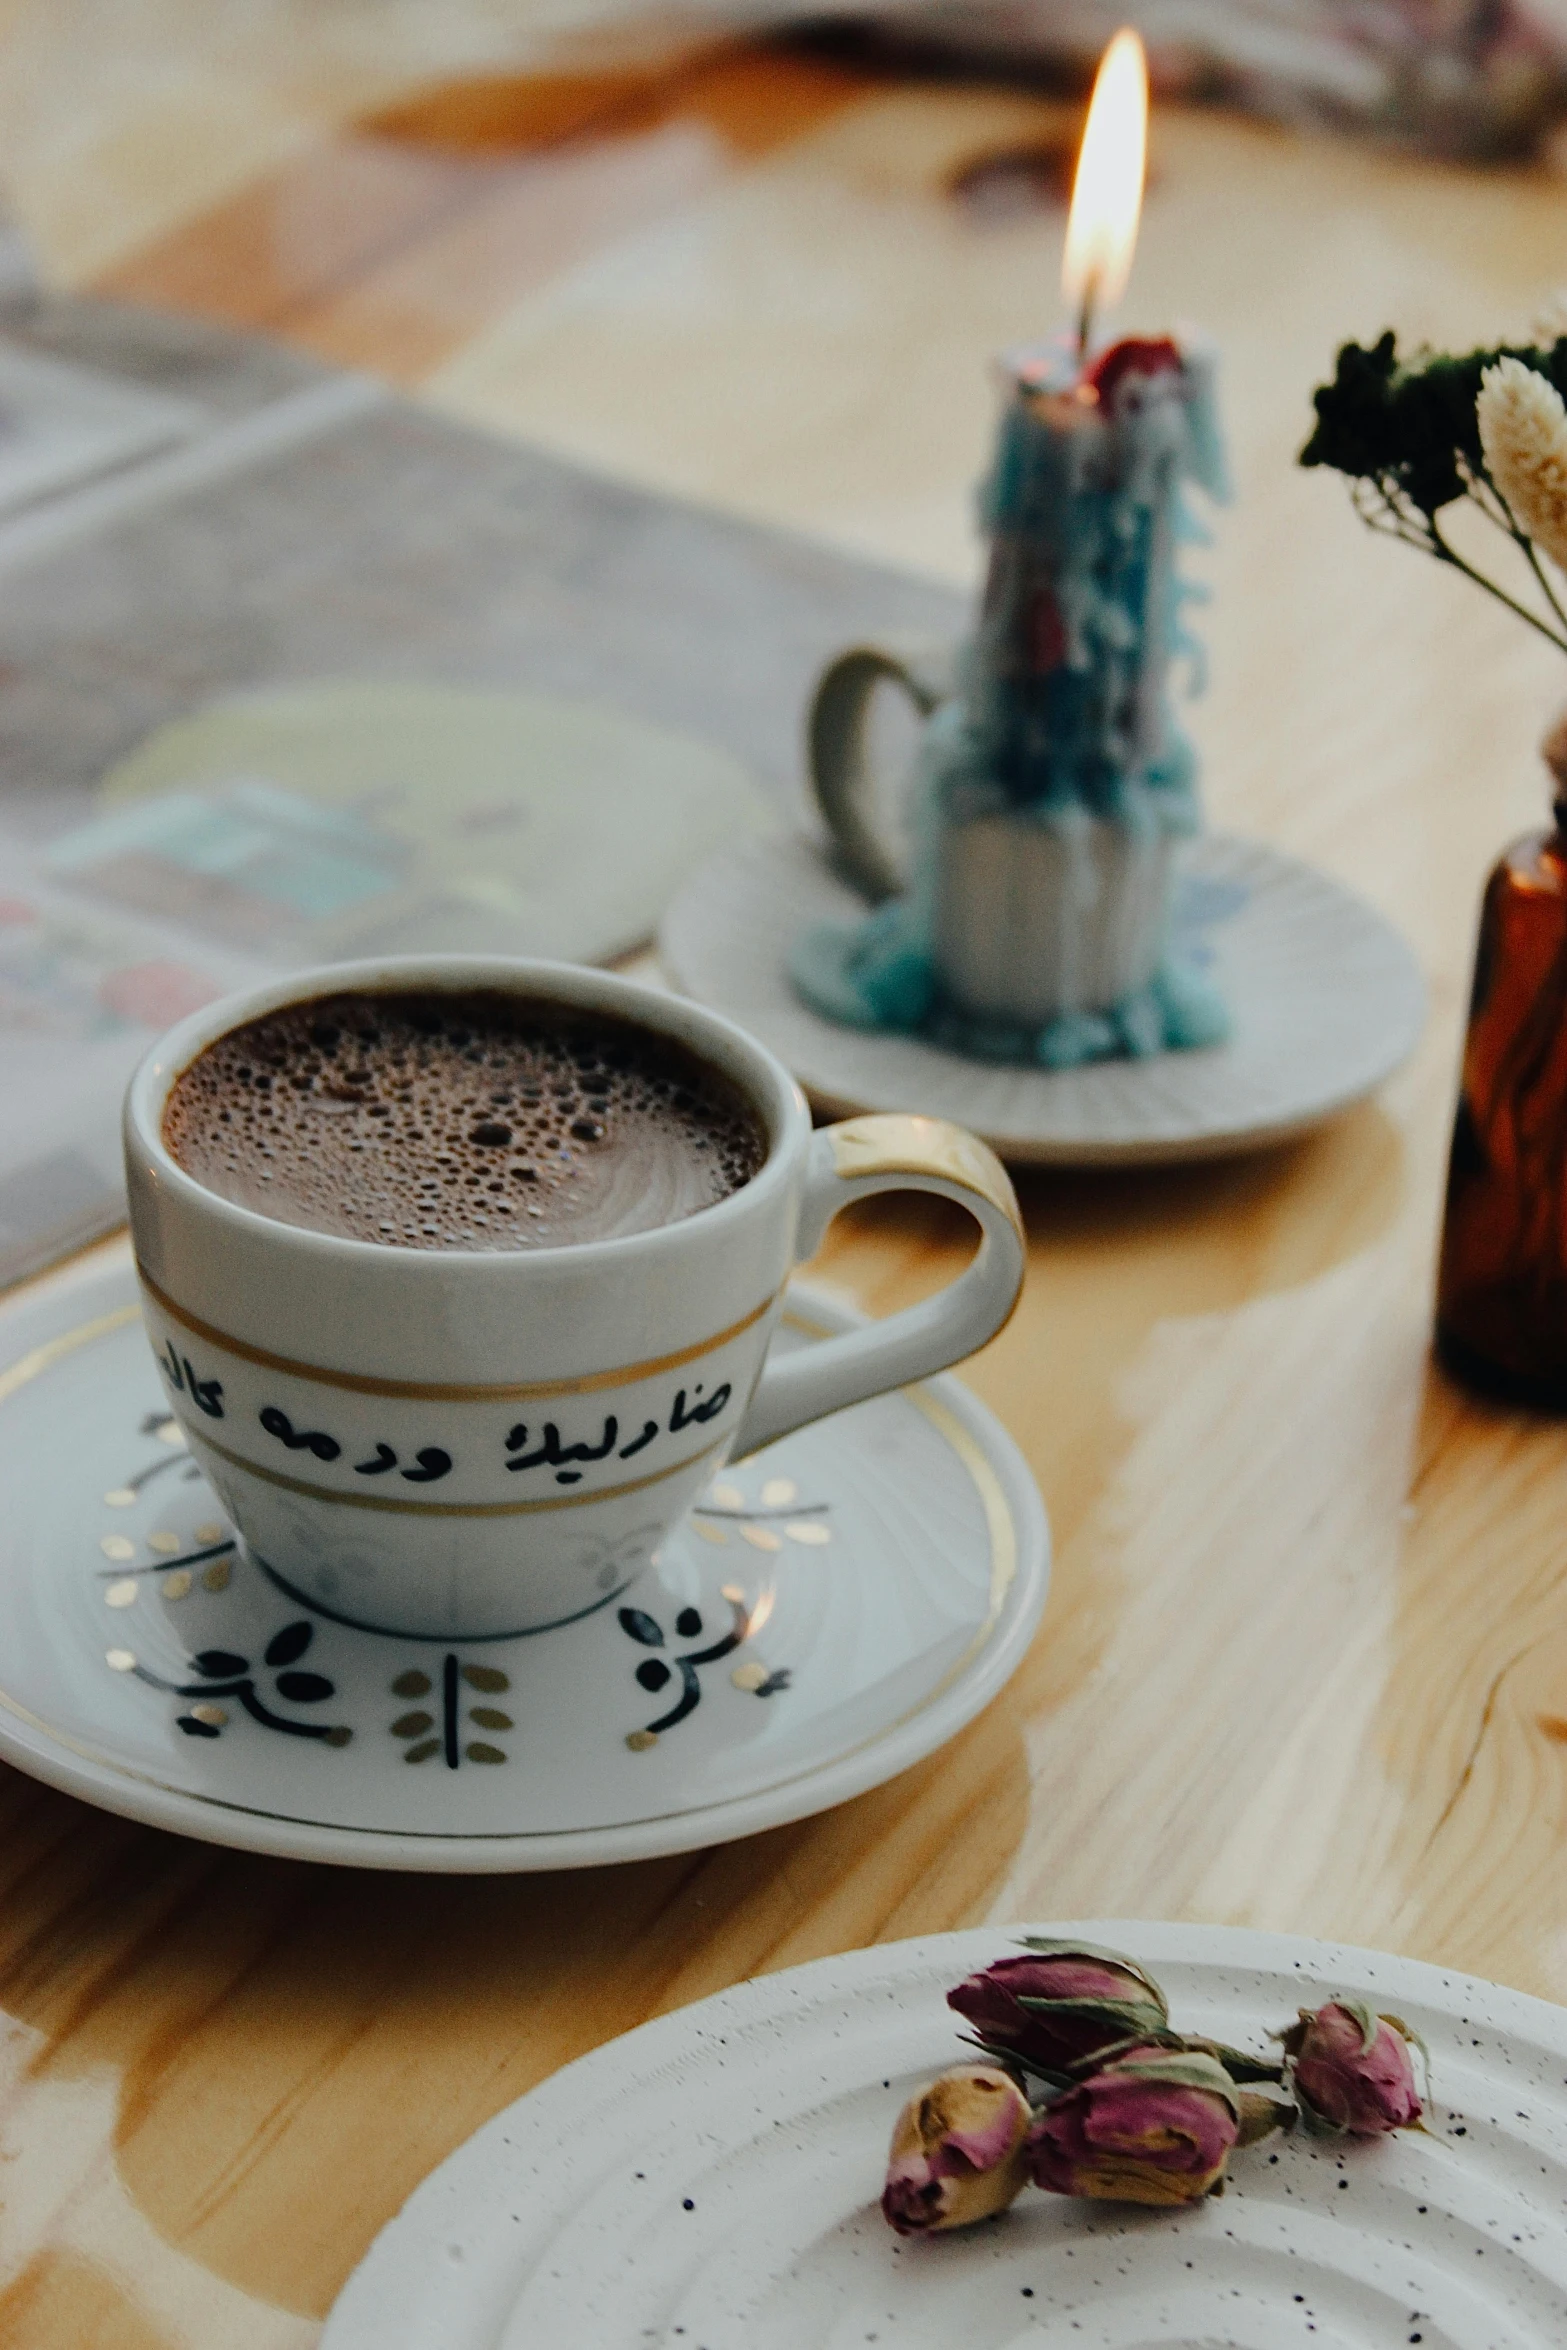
(710, 2183)
(1325, 996)
(838, 1606)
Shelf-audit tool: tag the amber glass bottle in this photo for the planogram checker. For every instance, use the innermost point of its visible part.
(1502, 1292)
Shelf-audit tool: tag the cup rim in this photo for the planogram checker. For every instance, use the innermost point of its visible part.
(772, 1091)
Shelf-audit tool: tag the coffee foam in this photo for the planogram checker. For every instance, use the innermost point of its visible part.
(471, 1122)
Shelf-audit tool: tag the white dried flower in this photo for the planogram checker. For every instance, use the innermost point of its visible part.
(1523, 431)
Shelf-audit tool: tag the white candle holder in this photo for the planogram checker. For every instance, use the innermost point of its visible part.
(1033, 921)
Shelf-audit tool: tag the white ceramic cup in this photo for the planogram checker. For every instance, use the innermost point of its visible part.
(550, 1414)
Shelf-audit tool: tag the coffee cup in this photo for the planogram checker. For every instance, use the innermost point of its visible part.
(471, 1442)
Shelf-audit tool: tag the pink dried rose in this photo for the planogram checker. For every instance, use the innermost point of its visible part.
(1153, 2126)
(1352, 2070)
(957, 2152)
(1058, 2002)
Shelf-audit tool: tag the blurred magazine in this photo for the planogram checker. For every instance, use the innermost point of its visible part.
(81, 998)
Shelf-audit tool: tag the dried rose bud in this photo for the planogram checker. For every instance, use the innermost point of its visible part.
(1153, 2126)
(1060, 2001)
(957, 2152)
(1351, 2069)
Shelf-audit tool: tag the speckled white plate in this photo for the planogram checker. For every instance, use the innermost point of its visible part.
(710, 2183)
(1326, 1000)
(834, 1608)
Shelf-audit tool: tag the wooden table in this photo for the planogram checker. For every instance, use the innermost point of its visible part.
(1305, 1660)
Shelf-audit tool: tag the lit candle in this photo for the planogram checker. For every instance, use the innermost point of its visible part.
(1053, 787)
(1067, 674)
(1107, 191)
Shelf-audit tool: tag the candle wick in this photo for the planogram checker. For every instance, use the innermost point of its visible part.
(1085, 316)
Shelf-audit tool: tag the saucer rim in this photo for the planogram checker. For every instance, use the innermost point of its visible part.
(1024, 1139)
(34, 1746)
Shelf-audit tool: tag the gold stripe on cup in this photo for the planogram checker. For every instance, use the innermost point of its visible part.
(359, 1383)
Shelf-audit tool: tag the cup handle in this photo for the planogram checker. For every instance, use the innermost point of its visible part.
(836, 745)
(850, 1162)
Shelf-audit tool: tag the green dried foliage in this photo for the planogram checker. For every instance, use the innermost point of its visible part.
(1406, 435)
(1411, 425)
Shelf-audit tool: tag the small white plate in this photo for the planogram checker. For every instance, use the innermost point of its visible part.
(1325, 997)
(710, 2182)
(836, 1608)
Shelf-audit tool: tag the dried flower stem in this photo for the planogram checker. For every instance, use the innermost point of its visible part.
(1445, 552)
(1382, 509)
(1493, 504)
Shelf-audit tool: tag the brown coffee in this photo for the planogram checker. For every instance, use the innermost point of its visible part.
(468, 1121)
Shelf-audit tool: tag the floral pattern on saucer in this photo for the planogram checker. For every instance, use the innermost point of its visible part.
(452, 1713)
(833, 1609)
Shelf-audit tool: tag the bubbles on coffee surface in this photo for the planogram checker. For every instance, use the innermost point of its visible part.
(472, 1122)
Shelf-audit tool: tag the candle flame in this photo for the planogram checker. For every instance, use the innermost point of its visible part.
(1107, 194)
